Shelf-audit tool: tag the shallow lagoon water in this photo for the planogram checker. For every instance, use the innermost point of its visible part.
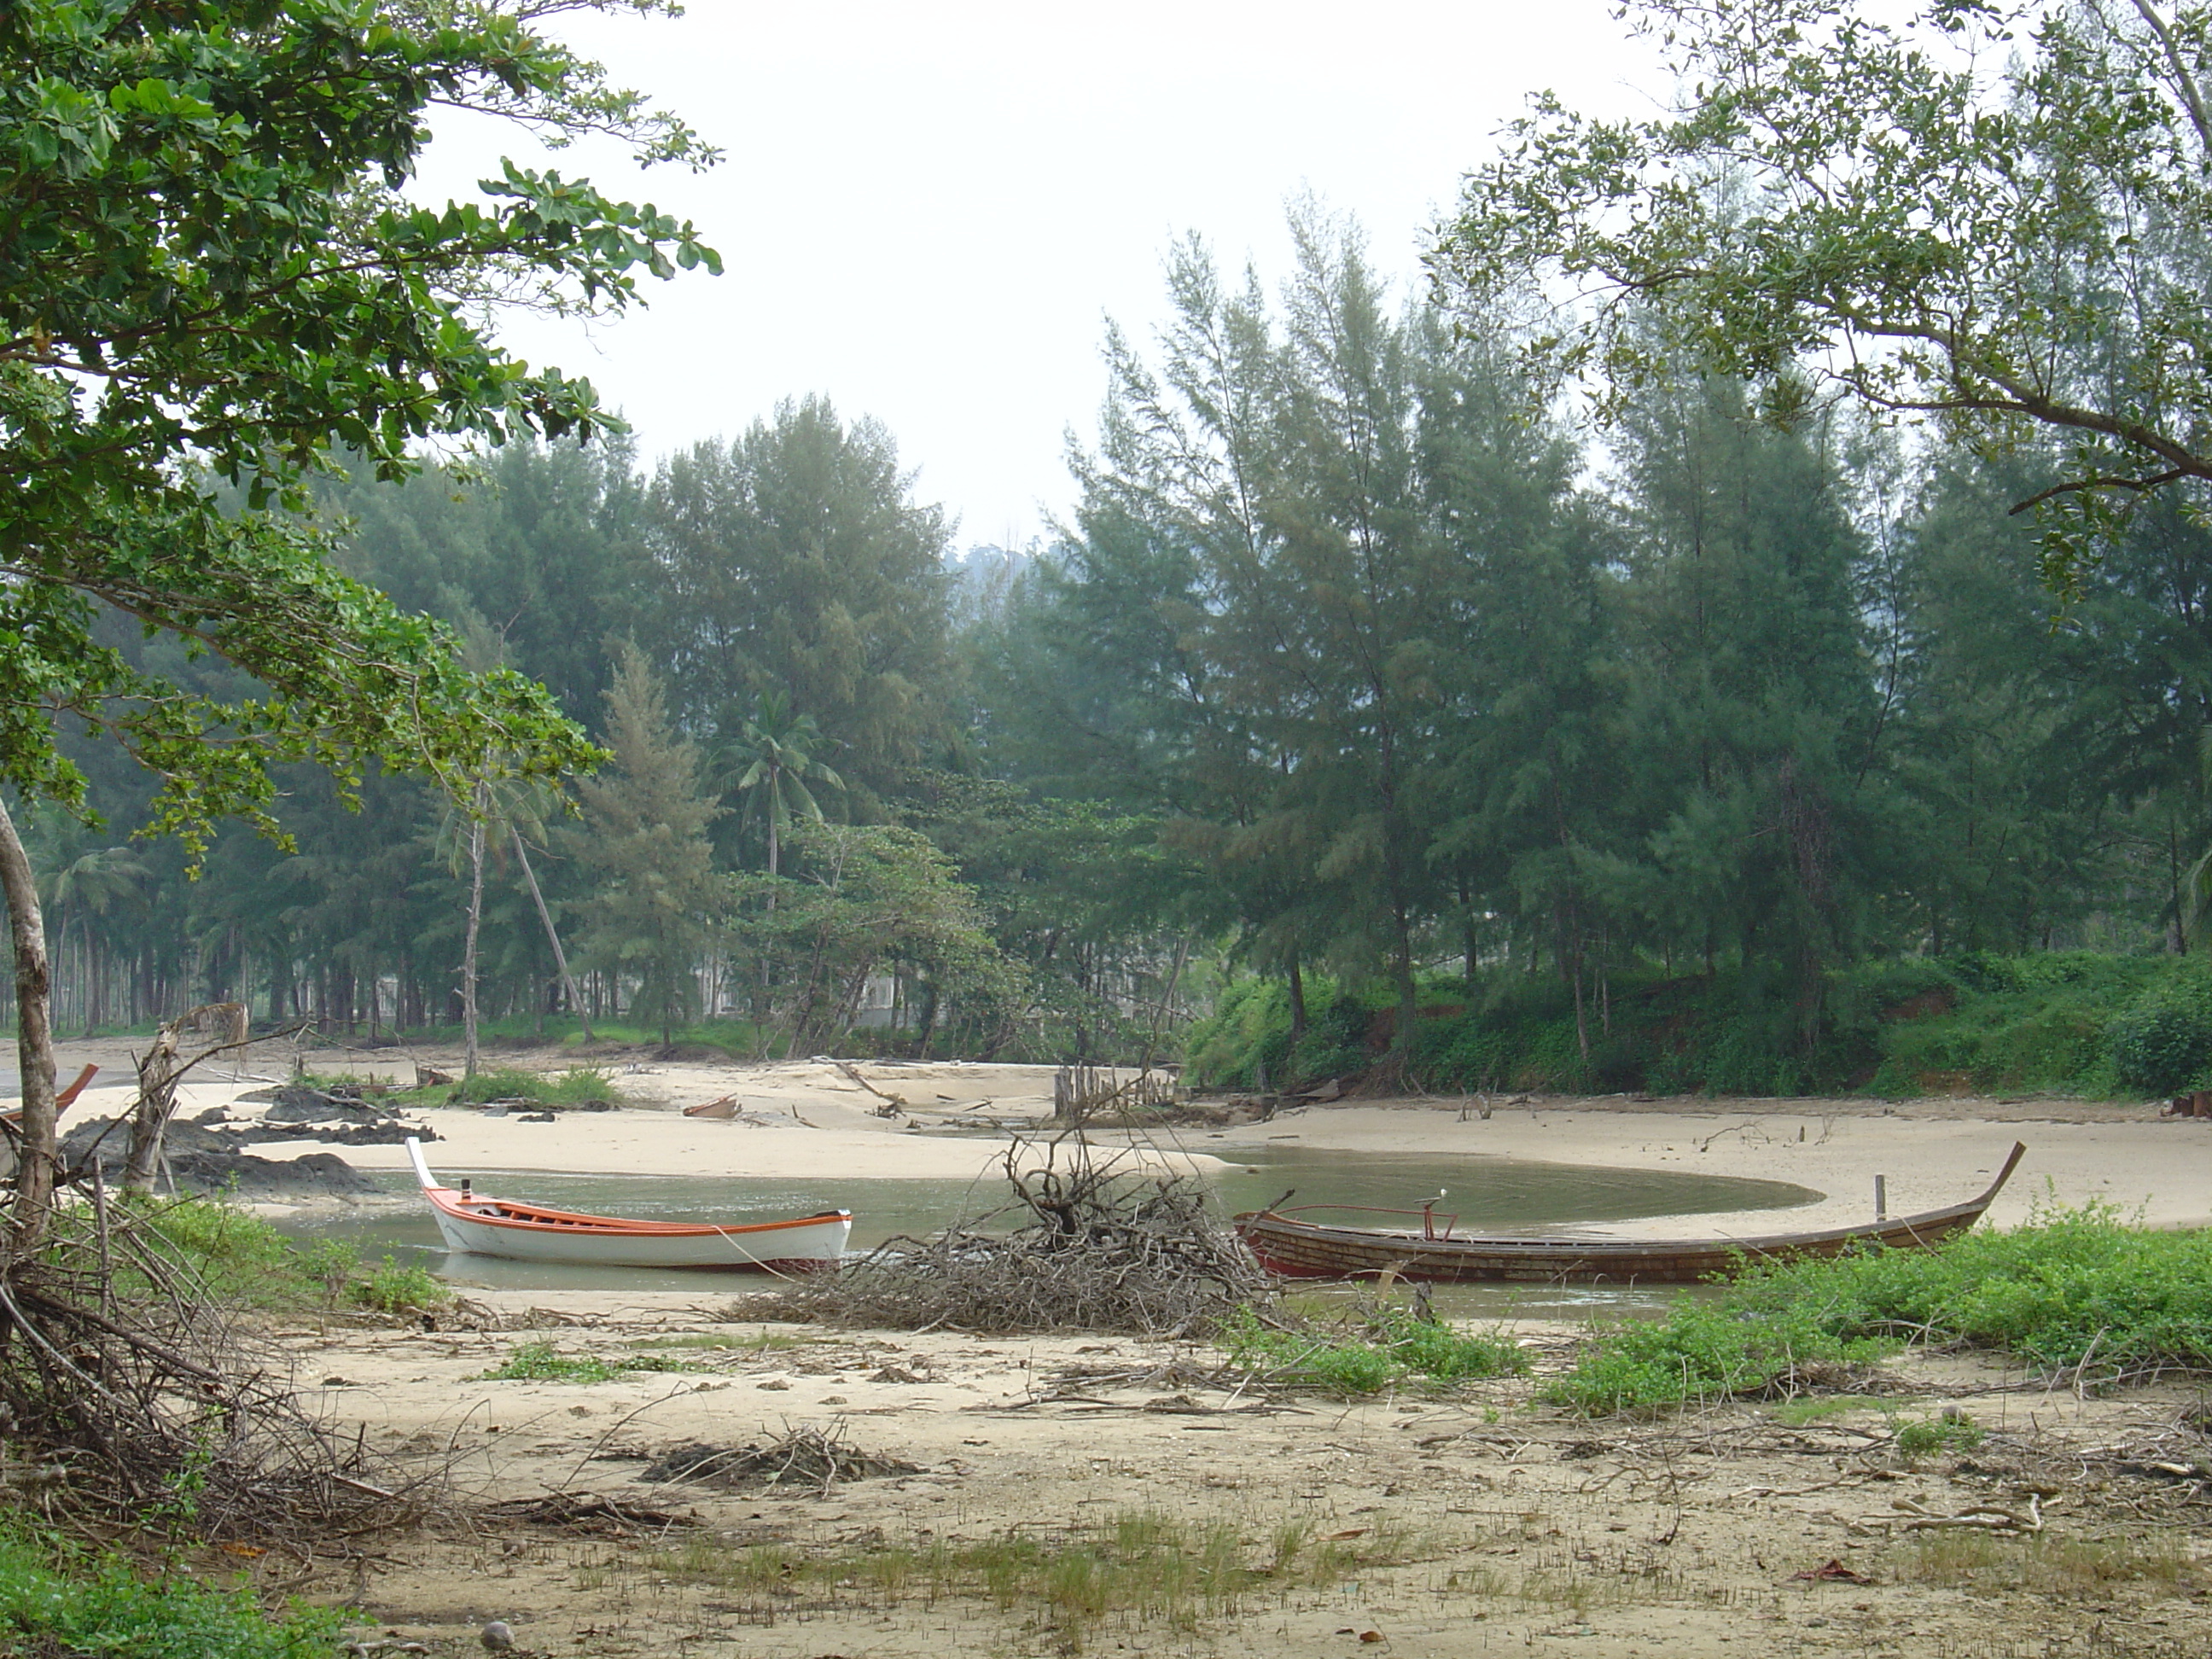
(1481, 1195)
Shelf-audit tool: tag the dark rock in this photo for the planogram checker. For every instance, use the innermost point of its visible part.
(298, 1105)
(381, 1131)
(202, 1161)
(318, 1174)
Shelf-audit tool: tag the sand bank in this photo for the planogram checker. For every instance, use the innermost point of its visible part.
(809, 1120)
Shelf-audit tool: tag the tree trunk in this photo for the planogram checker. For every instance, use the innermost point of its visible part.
(39, 1156)
(150, 1118)
(928, 1025)
(552, 936)
(158, 1074)
(469, 949)
(1297, 1002)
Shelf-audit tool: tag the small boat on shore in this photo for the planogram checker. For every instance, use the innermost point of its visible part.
(11, 1121)
(476, 1226)
(1286, 1243)
(64, 1098)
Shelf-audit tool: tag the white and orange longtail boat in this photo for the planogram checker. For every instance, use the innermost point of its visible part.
(477, 1225)
(11, 1121)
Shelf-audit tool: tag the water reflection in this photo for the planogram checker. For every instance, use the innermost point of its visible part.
(1484, 1195)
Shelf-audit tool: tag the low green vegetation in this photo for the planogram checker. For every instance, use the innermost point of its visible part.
(2075, 1292)
(239, 1258)
(2079, 1022)
(757, 1342)
(1377, 1348)
(1144, 1567)
(582, 1088)
(1818, 1408)
(57, 1602)
(1947, 1432)
(2050, 1563)
(395, 1287)
(542, 1362)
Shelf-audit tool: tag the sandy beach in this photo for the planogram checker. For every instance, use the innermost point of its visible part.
(1472, 1521)
(810, 1119)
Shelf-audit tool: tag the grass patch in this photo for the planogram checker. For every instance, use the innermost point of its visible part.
(1143, 1568)
(1815, 1408)
(541, 1361)
(2075, 1290)
(1384, 1346)
(239, 1258)
(394, 1288)
(582, 1088)
(1951, 1430)
(2046, 1562)
(58, 1602)
(763, 1342)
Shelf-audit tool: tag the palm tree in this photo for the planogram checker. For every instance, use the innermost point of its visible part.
(91, 884)
(772, 748)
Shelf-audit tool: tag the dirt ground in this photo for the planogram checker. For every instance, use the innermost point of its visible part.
(1471, 1522)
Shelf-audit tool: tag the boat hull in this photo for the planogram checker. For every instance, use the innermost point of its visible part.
(804, 1246)
(1304, 1249)
(473, 1224)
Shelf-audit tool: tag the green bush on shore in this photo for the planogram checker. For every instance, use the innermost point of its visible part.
(56, 1600)
(1381, 1347)
(2075, 1290)
(2075, 1023)
(238, 1257)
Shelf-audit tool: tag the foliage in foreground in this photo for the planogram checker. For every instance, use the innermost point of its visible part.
(1380, 1346)
(238, 1258)
(54, 1601)
(2073, 1290)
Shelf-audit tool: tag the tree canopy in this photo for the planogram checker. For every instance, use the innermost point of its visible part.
(1989, 213)
(210, 271)
(211, 274)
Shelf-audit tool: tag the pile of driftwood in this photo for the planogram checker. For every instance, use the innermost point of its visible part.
(806, 1456)
(1083, 1094)
(128, 1391)
(1100, 1242)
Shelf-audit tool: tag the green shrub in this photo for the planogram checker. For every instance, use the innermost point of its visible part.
(236, 1256)
(1384, 1346)
(2073, 1290)
(1930, 1437)
(58, 1602)
(393, 1289)
(1703, 1349)
(541, 1361)
(332, 1263)
(2163, 1041)
(581, 1086)
(584, 1085)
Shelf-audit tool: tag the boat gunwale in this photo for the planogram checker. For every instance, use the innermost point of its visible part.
(542, 1219)
(1270, 1224)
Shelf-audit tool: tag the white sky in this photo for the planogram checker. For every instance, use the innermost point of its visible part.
(928, 211)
